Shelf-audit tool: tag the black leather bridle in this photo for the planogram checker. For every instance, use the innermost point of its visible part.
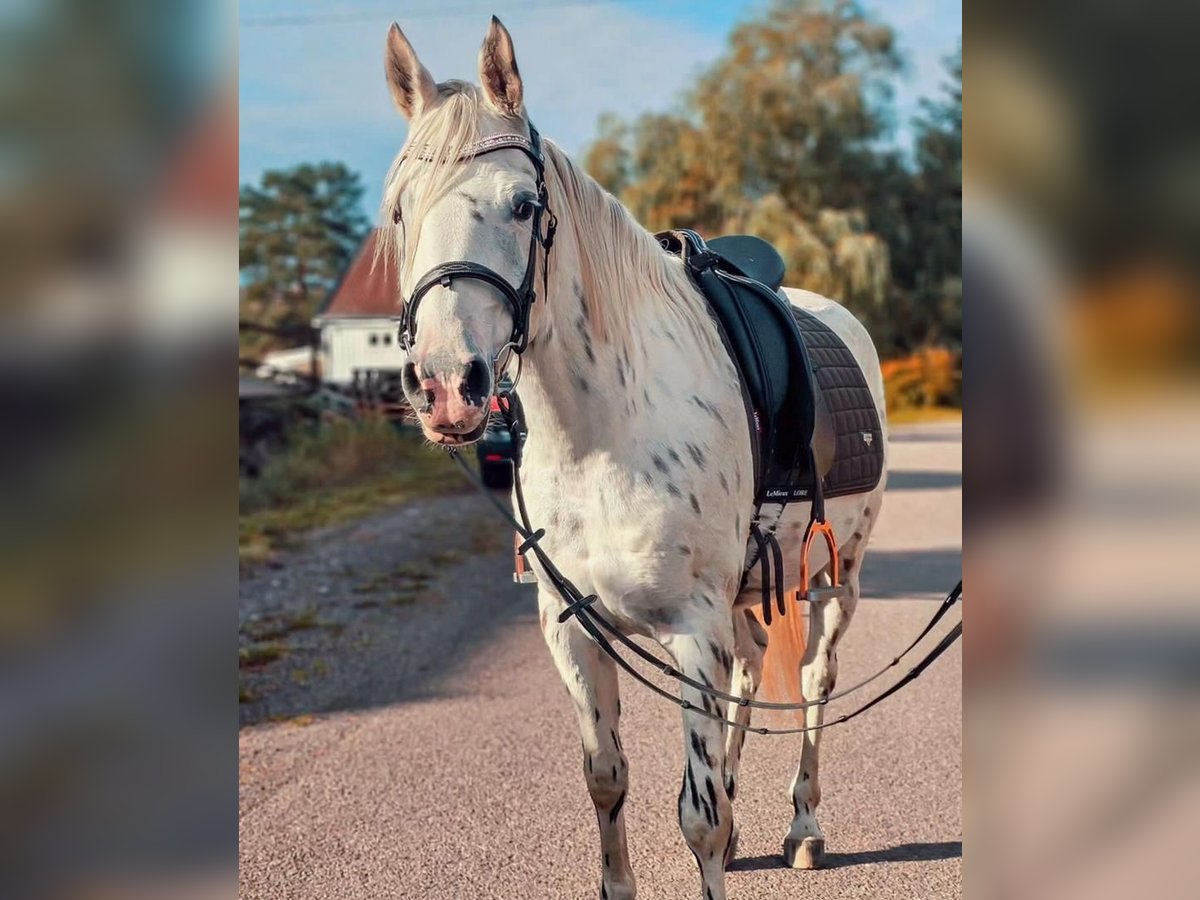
(520, 299)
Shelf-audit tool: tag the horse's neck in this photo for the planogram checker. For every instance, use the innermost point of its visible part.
(582, 393)
(570, 386)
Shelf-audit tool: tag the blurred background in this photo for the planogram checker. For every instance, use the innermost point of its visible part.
(832, 128)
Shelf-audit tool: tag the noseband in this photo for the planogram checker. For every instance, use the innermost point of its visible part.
(521, 298)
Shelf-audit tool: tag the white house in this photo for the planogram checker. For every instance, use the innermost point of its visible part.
(357, 325)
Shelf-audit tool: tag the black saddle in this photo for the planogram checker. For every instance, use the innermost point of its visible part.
(812, 418)
(752, 257)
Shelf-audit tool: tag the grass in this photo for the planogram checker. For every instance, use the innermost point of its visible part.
(280, 627)
(260, 654)
(340, 472)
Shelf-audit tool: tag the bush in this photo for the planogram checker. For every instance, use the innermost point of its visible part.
(931, 377)
(335, 454)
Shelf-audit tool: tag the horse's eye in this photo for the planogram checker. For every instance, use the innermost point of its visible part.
(524, 209)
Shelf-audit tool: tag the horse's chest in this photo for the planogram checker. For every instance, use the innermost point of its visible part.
(623, 534)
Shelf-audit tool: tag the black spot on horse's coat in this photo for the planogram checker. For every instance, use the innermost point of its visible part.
(673, 490)
(674, 456)
(697, 455)
(616, 810)
(730, 787)
(596, 712)
(695, 503)
(588, 760)
(616, 740)
(583, 385)
(659, 463)
(659, 615)
(724, 483)
(476, 215)
(691, 780)
(614, 773)
(646, 477)
(606, 860)
(587, 349)
(696, 745)
(685, 550)
(805, 778)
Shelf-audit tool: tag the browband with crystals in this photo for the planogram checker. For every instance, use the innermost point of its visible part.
(486, 145)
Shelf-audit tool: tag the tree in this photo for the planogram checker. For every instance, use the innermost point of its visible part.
(795, 104)
(781, 138)
(776, 139)
(298, 230)
(928, 252)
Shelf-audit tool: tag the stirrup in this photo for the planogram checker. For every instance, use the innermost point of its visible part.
(835, 590)
(522, 574)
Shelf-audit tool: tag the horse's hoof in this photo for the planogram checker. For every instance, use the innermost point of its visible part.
(731, 850)
(806, 853)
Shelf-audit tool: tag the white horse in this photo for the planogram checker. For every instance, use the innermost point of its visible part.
(638, 458)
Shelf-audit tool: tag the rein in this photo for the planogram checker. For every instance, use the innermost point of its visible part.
(520, 301)
(595, 624)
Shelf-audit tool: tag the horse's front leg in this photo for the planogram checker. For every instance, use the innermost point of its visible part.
(804, 846)
(749, 645)
(705, 813)
(591, 680)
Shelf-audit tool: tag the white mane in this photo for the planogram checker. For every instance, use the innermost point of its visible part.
(609, 244)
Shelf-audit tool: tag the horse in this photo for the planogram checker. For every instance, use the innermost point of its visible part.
(638, 455)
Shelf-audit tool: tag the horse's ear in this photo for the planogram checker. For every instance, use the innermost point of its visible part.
(413, 88)
(498, 72)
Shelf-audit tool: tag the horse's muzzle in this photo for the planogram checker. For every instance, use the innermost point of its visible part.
(451, 401)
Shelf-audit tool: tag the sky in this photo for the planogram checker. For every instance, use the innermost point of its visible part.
(311, 81)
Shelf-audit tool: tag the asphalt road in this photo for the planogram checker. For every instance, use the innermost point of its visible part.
(437, 755)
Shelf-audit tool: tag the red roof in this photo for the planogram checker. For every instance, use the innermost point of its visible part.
(366, 288)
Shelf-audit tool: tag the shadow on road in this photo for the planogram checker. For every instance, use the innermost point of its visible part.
(899, 574)
(916, 852)
(916, 480)
(414, 594)
(949, 434)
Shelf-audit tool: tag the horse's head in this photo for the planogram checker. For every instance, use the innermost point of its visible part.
(453, 197)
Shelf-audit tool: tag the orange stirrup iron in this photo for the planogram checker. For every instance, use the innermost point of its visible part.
(815, 527)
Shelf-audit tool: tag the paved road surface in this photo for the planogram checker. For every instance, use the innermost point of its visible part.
(442, 760)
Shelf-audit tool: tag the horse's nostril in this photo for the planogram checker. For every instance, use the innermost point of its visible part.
(476, 382)
(409, 380)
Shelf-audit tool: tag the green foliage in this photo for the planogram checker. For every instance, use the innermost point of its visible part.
(334, 473)
(298, 230)
(780, 138)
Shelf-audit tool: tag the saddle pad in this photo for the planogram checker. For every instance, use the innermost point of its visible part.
(858, 460)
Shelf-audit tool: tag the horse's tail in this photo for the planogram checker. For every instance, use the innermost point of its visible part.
(785, 652)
